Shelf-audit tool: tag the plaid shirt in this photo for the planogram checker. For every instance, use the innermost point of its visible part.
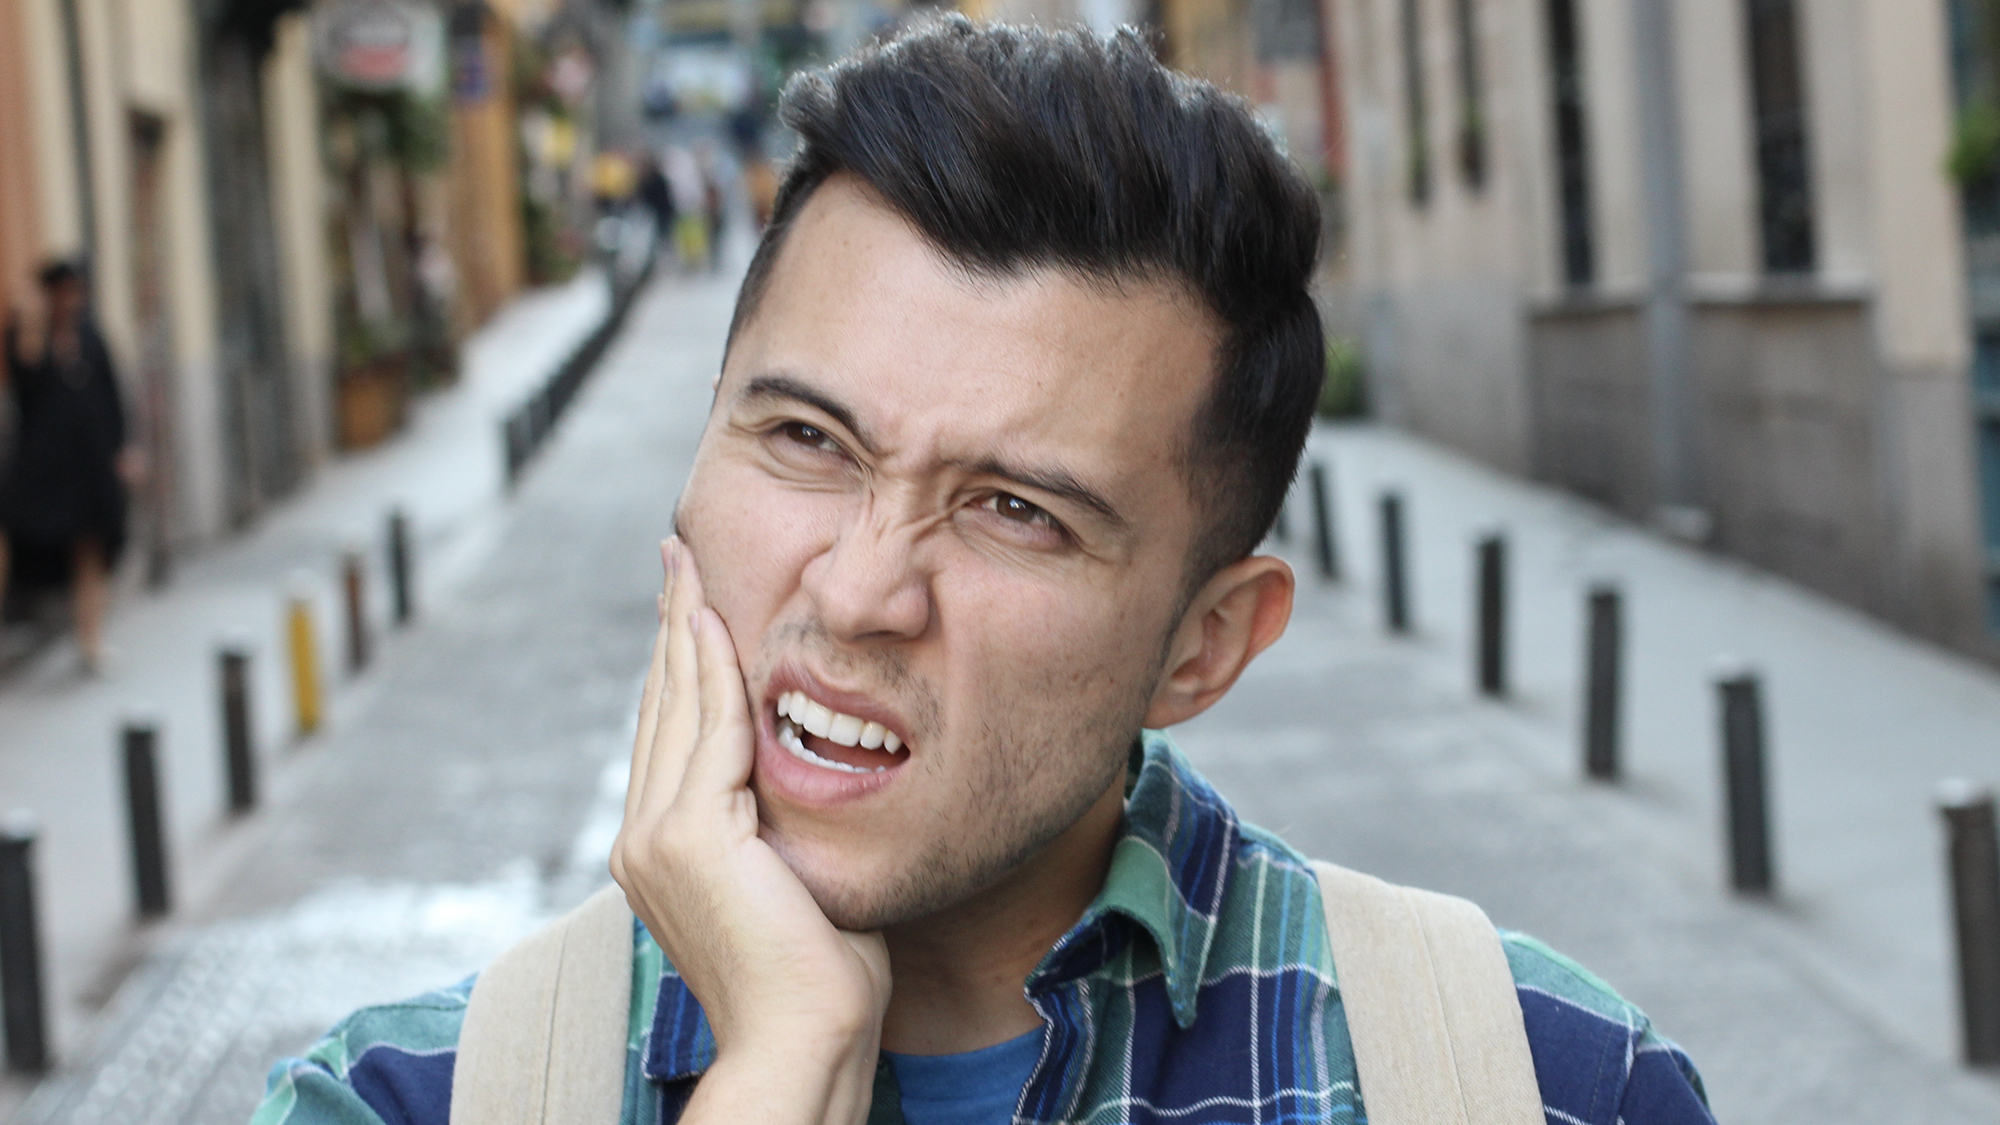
(1197, 988)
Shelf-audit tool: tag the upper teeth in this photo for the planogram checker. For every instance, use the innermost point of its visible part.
(832, 725)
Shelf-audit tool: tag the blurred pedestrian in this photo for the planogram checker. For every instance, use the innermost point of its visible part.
(658, 196)
(690, 205)
(711, 204)
(612, 180)
(65, 491)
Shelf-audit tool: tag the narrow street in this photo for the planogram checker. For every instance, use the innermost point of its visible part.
(471, 778)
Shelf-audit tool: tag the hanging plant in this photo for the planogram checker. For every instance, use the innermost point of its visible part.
(1975, 145)
(409, 130)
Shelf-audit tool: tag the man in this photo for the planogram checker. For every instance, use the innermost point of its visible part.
(1017, 381)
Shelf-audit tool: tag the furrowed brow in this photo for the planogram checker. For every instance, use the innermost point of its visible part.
(1055, 482)
(790, 388)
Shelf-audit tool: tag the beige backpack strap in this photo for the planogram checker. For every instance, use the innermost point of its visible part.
(544, 1037)
(1431, 1007)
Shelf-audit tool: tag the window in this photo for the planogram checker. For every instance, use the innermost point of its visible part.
(1778, 110)
(1975, 163)
(1579, 255)
(1417, 127)
(1986, 410)
(1471, 98)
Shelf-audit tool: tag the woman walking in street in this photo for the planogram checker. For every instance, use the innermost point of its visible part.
(64, 492)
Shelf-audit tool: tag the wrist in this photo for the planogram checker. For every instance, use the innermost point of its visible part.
(801, 1047)
(788, 1080)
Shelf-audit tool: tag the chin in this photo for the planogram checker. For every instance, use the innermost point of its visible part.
(862, 894)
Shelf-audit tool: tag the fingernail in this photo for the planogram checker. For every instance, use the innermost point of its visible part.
(694, 621)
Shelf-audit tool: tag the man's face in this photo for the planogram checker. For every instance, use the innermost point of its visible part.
(948, 511)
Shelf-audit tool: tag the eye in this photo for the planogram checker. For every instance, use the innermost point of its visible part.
(809, 435)
(799, 447)
(1026, 519)
(1019, 510)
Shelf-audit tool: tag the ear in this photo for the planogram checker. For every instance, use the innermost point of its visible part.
(1233, 617)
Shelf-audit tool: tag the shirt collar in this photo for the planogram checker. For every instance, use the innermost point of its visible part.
(1169, 871)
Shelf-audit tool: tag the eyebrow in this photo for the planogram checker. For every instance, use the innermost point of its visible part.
(782, 386)
(1054, 481)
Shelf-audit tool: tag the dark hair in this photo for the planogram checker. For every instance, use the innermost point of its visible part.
(61, 271)
(1011, 148)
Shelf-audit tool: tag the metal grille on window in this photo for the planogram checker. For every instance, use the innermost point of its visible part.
(1415, 109)
(1784, 182)
(1974, 162)
(1471, 97)
(1579, 256)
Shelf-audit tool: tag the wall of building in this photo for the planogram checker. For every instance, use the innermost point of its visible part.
(148, 229)
(298, 192)
(483, 185)
(1441, 282)
(57, 191)
(1834, 428)
(1920, 320)
(20, 226)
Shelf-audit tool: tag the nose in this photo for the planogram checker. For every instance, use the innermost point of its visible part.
(869, 586)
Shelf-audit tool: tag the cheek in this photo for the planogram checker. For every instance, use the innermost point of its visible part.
(751, 538)
(1041, 656)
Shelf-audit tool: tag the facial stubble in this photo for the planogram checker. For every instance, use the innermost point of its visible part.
(1027, 785)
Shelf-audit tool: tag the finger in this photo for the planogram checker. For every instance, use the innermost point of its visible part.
(722, 751)
(649, 698)
(680, 706)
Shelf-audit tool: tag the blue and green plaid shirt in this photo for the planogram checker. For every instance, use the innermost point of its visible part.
(1197, 989)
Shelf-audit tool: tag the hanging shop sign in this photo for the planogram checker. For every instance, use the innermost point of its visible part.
(380, 45)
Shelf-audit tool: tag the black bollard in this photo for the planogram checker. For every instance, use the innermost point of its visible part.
(514, 445)
(357, 614)
(1492, 655)
(1974, 855)
(1323, 539)
(25, 1023)
(399, 566)
(1601, 684)
(1744, 774)
(238, 756)
(1395, 592)
(142, 801)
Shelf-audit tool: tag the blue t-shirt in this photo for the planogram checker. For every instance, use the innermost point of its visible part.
(974, 1088)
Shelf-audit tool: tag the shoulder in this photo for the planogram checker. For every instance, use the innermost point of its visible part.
(392, 1064)
(1597, 1056)
(388, 1063)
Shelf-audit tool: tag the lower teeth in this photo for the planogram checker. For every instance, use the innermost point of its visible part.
(788, 737)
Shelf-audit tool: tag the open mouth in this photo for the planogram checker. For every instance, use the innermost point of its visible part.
(813, 732)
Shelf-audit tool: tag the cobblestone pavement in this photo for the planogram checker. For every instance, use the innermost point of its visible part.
(475, 790)
(194, 1028)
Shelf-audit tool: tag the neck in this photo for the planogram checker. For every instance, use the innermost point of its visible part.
(958, 973)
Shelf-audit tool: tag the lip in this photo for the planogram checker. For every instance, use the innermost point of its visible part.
(802, 783)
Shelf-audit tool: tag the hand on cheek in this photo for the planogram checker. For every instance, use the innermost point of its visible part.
(785, 993)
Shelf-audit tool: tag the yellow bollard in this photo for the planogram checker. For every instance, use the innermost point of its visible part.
(305, 664)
